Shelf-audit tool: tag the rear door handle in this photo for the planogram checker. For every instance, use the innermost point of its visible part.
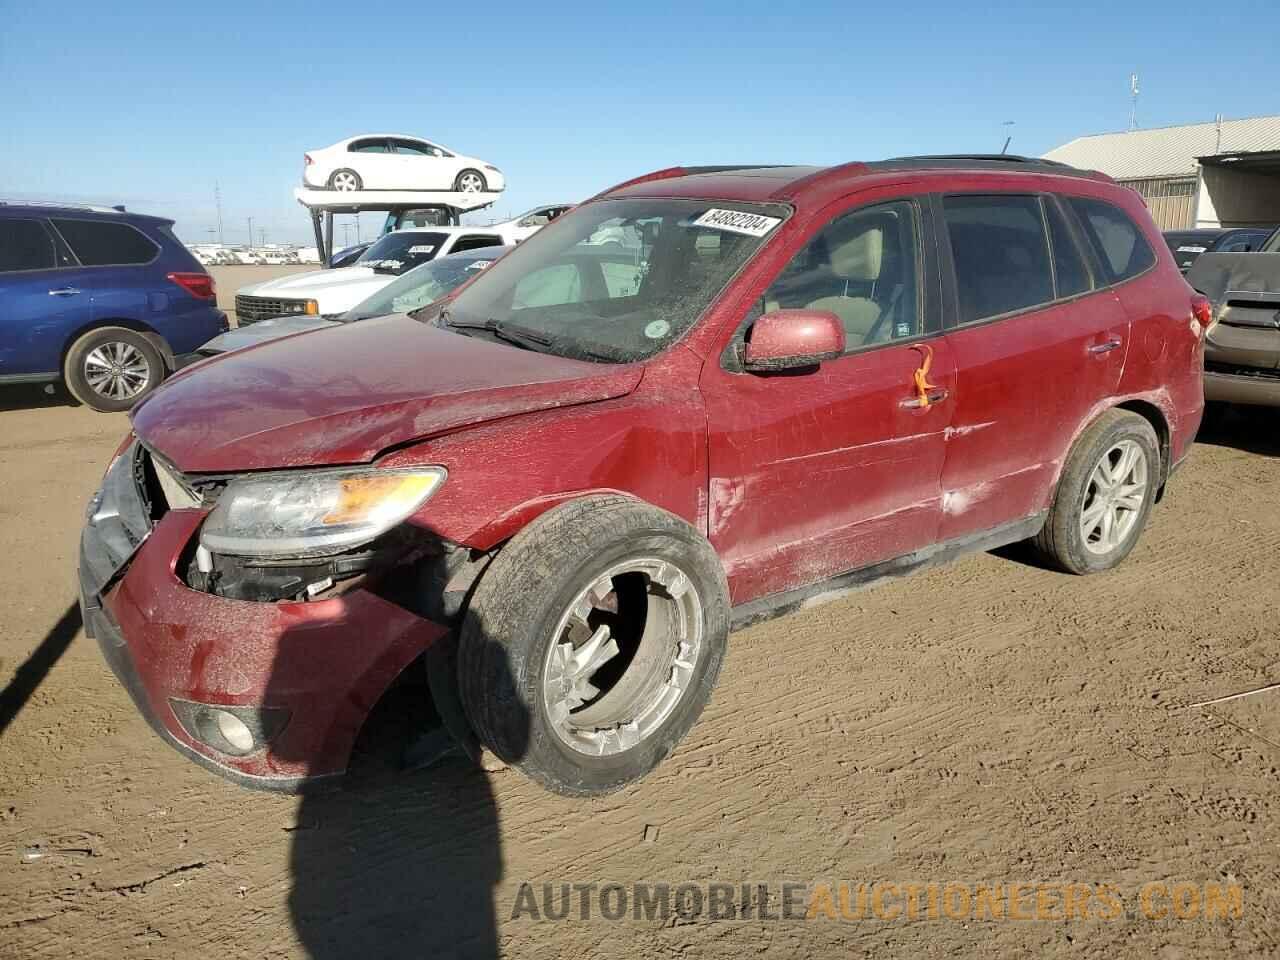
(64, 292)
(1106, 347)
(936, 395)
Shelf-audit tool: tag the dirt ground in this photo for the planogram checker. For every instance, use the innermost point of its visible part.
(988, 722)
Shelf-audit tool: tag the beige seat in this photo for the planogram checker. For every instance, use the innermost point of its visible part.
(857, 259)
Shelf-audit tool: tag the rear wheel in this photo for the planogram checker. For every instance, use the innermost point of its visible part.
(345, 181)
(592, 643)
(112, 368)
(470, 181)
(1104, 495)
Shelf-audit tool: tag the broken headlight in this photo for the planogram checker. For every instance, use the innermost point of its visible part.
(314, 513)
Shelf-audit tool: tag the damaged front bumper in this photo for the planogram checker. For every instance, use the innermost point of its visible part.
(271, 695)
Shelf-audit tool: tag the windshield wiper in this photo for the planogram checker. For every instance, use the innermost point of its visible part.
(520, 336)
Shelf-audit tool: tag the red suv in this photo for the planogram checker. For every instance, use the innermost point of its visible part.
(707, 396)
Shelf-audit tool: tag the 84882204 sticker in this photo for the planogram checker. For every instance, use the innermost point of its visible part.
(735, 221)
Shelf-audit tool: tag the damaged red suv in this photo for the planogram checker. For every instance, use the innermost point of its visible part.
(707, 396)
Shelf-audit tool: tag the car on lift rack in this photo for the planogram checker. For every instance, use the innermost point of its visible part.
(105, 301)
(393, 161)
(564, 484)
(327, 293)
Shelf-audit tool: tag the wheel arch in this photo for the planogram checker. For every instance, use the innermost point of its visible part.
(1160, 423)
(505, 526)
(128, 323)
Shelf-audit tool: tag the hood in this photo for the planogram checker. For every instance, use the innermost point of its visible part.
(346, 395)
(337, 289)
(264, 330)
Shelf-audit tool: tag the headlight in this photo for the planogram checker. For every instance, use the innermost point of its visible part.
(314, 513)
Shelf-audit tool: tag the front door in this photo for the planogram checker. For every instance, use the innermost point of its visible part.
(818, 472)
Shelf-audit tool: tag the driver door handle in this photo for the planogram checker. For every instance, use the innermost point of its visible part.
(64, 292)
(936, 395)
(1105, 347)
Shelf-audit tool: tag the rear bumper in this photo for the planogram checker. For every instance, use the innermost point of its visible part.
(324, 664)
(1244, 389)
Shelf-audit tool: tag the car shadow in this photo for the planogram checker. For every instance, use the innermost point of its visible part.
(33, 671)
(28, 396)
(1248, 428)
(394, 863)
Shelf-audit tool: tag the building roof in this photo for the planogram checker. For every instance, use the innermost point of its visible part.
(1168, 151)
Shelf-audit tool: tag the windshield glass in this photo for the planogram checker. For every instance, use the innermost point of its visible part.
(399, 252)
(423, 285)
(616, 280)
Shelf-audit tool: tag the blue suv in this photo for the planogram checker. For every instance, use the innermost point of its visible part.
(106, 301)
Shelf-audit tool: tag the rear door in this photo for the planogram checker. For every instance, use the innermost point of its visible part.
(420, 166)
(44, 298)
(377, 165)
(821, 471)
(1037, 344)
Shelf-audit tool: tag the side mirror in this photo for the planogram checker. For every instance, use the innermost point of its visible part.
(787, 339)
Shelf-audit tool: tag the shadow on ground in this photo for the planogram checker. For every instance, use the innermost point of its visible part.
(28, 677)
(1252, 429)
(29, 396)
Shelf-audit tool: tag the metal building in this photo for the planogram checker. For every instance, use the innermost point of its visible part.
(1225, 173)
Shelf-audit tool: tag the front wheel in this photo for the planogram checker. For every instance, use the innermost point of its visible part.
(1104, 495)
(470, 181)
(592, 643)
(112, 368)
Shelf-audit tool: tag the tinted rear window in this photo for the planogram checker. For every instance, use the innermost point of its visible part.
(1116, 239)
(1068, 263)
(98, 243)
(24, 245)
(1001, 254)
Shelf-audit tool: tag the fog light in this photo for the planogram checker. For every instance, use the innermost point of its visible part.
(233, 729)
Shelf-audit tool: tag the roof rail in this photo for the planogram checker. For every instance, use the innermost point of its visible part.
(992, 157)
(65, 204)
(668, 173)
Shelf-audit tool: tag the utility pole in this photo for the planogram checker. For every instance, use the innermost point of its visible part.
(262, 238)
(250, 219)
(1133, 104)
(217, 202)
(1008, 126)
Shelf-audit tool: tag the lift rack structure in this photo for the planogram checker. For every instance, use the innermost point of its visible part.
(323, 204)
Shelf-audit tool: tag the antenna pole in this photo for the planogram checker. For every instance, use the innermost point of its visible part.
(1133, 105)
(217, 202)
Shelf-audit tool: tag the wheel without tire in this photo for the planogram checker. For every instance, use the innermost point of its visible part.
(345, 181)
(470, 181)
(592, 643)
(1104, 495)
(112, 368)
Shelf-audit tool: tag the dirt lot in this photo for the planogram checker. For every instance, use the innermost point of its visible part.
(987, 722)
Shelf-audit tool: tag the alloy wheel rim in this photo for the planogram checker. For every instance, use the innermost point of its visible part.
(344, 182)
(1114, 497)
(636, 631)
(470, 183)
(117, 370)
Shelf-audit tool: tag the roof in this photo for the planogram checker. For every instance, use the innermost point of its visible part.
(1168, 151)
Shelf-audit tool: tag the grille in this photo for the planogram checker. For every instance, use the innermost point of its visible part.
(252, 309)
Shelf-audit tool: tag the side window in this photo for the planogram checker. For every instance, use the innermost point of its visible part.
(1069, 268)
(1001, 254)
(539, 219)
(98, 243)
(369, 146)
(474, 243)
(412, 148)
(24, 245)
(1116, 239)
(864, 267)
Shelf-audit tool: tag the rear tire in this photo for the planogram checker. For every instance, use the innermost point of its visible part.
(595, 575)
(112, 368)
(345, 181)
(1104, 495)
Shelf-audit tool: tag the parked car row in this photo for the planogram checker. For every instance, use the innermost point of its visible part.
(1188, 245)
(564, 482)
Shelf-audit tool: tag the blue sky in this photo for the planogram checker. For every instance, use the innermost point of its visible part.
(151, 104)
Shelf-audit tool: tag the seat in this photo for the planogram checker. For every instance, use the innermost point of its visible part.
(857, 259)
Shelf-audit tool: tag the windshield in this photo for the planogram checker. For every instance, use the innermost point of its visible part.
(423, 285)
(616, 280)
(399, 252)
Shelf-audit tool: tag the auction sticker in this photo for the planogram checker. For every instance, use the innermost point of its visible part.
(479, 264)
(422, 248)
(735, 221)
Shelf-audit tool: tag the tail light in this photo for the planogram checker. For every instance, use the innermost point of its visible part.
(306, 160)
(199, 285)
(1202, 310)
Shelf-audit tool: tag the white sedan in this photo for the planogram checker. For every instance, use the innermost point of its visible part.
(322, 293)
(392, 161)
(531, 221)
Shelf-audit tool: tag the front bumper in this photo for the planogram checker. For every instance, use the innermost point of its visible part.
(326, 663)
